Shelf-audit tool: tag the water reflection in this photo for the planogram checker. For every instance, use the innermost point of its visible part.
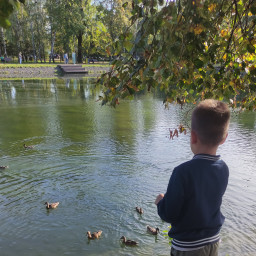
(100, 163)
(13, 93)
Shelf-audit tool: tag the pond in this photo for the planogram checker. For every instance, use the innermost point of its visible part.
(100, 163)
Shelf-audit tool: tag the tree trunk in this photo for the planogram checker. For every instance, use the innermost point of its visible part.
(4, 43)
(80, 37)
(39, 42)
(33, 42)
(20, 37)
(79, 48)
(52, 45)
(43, 52)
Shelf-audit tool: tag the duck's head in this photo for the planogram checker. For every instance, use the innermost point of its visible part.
(157, 230)
(123, 238)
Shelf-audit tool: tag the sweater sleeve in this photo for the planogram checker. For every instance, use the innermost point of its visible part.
(169, 208)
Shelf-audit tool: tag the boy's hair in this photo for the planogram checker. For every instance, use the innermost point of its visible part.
(210, 121)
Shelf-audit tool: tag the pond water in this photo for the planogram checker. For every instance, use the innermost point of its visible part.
(100, 163)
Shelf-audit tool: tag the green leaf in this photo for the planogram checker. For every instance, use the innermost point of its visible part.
(252, 87)
(253, 10)
(250, 48)
(199, 81)
(198, 63)
(125, 4)
(253, 72)
(128, 45)
(217, 77)
(5, 23)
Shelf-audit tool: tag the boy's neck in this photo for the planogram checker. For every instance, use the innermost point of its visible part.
(201, 149)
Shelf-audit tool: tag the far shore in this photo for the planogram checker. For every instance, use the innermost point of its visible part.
(34, 70)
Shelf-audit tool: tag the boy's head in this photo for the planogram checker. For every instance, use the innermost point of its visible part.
(210, 122)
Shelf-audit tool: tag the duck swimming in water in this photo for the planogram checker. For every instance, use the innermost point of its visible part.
(28, 147)
(153, 231)
(128, 242)
(94, 235)
(51, 205)
(139, 210)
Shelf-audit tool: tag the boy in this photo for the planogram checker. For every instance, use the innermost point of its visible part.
(194, 195)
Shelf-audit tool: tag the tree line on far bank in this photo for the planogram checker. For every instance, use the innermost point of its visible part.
(45, 29)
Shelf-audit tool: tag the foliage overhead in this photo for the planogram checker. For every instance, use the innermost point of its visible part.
(190, 49)
(6, 9)
(116, 17)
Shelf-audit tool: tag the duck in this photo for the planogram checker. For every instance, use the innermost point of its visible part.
(94, 235)
(51, 205)
(153, 231)
(28, 147)
(128, 242)
(4, 167)
(139, 210)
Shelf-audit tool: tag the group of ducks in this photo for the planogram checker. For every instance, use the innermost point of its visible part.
(174, 133)
(4, 167)
(151, 230)
(97, 234)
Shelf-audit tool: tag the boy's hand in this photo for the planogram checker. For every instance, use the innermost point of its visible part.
(159, 198)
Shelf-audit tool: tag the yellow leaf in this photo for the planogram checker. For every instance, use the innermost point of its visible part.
(108, 51)
(223, 32)
(141, 73)
(198, 29)
(211, 7)
(133, 87)
(179, 17)
(206, 46)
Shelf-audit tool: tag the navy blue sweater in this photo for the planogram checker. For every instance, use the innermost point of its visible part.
(193, 200)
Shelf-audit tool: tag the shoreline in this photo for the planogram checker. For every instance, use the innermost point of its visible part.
(40, 72)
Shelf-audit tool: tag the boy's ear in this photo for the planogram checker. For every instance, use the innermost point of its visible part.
(193, 137)
(224, 139)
